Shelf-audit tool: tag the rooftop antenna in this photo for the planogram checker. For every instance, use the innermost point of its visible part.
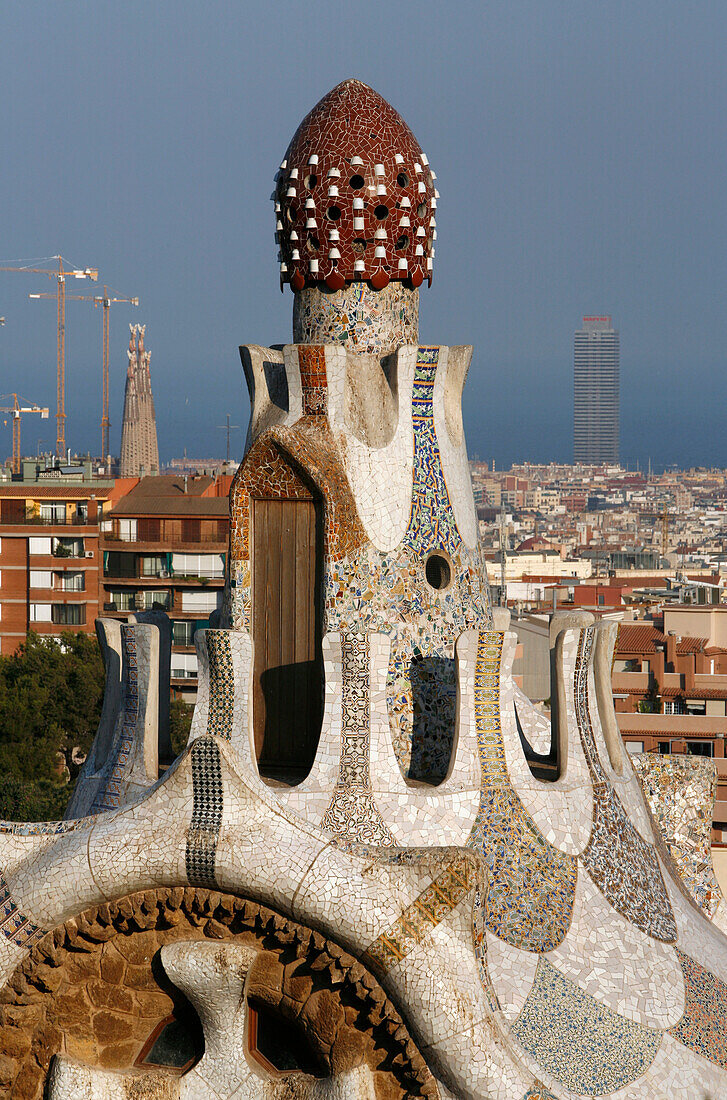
(503, 555)
(228, 428)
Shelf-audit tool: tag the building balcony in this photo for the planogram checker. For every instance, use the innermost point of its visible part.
(165, 577)
(212, 543)
(630, 681)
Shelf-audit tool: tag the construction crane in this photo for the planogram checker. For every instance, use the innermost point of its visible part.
(16, 409)
(60, 274)
(105, 301)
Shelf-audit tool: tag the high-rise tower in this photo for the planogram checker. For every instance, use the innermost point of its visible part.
(596, 392)
(139, 447)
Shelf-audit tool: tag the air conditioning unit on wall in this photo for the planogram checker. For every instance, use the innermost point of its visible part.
(89, 553)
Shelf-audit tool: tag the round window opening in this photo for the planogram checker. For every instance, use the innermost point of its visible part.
(356, 182)
(438, 571)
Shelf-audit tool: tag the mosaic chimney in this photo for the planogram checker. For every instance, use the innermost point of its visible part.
(355, 209)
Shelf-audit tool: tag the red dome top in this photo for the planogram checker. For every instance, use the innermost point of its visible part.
(355, 197)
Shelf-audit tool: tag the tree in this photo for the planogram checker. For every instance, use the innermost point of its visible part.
(51, 693)
(180, 721)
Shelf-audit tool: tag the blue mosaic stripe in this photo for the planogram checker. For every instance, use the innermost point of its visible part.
(585, 1045)
(14, 925)
(431, 521)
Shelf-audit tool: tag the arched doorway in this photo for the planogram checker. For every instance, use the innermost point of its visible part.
(287, 605)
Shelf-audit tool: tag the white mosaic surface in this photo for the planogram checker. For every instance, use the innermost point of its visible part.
(534, 940)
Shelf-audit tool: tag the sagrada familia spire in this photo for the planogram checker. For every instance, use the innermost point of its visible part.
(139, 447)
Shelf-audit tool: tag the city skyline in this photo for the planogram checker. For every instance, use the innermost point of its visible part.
(163, 182)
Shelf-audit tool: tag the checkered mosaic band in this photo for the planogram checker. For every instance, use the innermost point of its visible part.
(222, 684)
(14, 925)
(204, 827)
(109, 795)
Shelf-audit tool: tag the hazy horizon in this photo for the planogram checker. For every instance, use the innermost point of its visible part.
(579, 158)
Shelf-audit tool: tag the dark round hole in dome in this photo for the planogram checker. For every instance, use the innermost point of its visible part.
(381, 212)
(422, 210)
(333, 213)
(310, 181)
(290, 215)
(357, 182)
(359, 245)
(402, 179)
(312, 243)
(438, 571)
(402, 243)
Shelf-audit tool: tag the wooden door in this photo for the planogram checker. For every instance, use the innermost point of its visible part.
(288, 667)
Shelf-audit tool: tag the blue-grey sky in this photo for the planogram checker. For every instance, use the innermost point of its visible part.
(580, 153)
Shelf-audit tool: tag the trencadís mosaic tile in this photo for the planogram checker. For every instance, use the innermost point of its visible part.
(590, 1049)
(531, 887)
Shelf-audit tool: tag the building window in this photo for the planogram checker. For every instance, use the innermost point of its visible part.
(127, 530)
(674, 706)
(199, 565)
(120, 601)
(39, 545)
(201, 601)
(41, 578)
(153, 565)
(184, 666)
(160, 600)
(634, 747)
(53, 513)
(664, 747)
(700, 748)
(40, 613)
(119, 564)
(68, 614)
(67, 548)
(149, 530)
(70, 581)
(191, 530)
(183, 631)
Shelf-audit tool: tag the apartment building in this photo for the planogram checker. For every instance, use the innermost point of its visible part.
(670, 689)
(163, 546)
(50, 561)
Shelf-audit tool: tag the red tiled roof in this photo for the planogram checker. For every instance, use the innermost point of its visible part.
(690, 645)
(693, 693)
(638, 638)
(78, 491)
